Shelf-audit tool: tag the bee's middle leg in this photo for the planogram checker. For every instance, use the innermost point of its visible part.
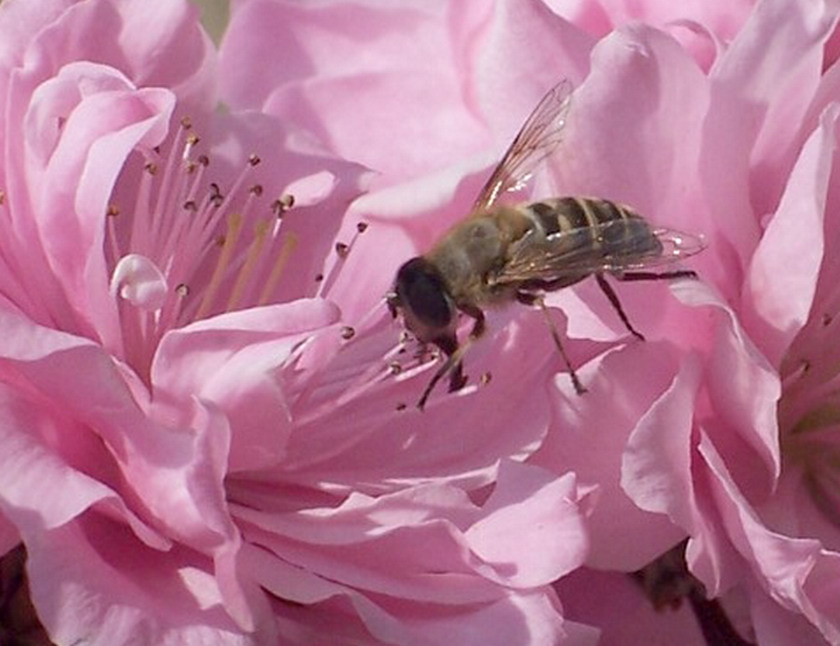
(531, 298)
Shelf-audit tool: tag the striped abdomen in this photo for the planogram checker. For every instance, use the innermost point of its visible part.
(606, 228)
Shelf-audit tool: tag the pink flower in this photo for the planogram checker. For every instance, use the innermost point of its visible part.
(202, 432)
(728, 439)
(718, 120)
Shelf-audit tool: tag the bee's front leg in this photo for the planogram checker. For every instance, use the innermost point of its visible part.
(477, 314)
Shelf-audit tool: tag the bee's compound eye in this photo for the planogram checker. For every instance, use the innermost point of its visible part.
(422, 292)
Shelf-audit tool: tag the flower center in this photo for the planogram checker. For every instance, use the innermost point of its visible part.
(809, 413)
(188, 250)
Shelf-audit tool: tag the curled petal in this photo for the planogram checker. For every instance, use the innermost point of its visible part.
(139, 281)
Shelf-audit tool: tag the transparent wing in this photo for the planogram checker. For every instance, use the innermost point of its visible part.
(615, 246)
(538, 137)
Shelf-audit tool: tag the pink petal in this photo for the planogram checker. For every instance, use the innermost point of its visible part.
(774, 86)
(554, 542)
(778, 303)
(656, 466)
(233, 362)
(360, 442)
(162, 46)
(9, 535)
(42, 488)
(407, 547)
(616, 605)
(85, 577)
(505, 57)
(634, 134)
(288, 159)
(588, 435)
(748, 141)
(775, 626)
(404, 43)
(172, 476)
(744, 388)
(81, 166)
(514, 618)
(795, 572)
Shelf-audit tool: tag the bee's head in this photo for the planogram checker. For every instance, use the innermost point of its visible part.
(421, 294)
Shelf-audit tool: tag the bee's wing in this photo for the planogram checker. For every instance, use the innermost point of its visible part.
(538, 137)
(616, 246)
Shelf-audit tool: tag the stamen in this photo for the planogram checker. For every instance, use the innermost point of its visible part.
(283, 204)
(138, 239)
(172, 310)
(110, 221)
(361, 383)
(342, 250)
(251, 260)
(287, 246)
(232, 236)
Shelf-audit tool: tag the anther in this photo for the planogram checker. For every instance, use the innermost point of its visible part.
(256, 190)
(342, 250)
(401, 406)
(319, 278)
(113, 210)
(347, 333)
(283, 204)
(254, 159)
(216, 197)
(186, 123)
(361, 227)
(150, 168)
(182, 290)
(394, 368)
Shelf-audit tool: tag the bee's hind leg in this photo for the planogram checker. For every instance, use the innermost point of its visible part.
(613, 298)
(630, 276)
(530, 298)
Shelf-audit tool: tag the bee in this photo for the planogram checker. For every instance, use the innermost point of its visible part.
(500, 254)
